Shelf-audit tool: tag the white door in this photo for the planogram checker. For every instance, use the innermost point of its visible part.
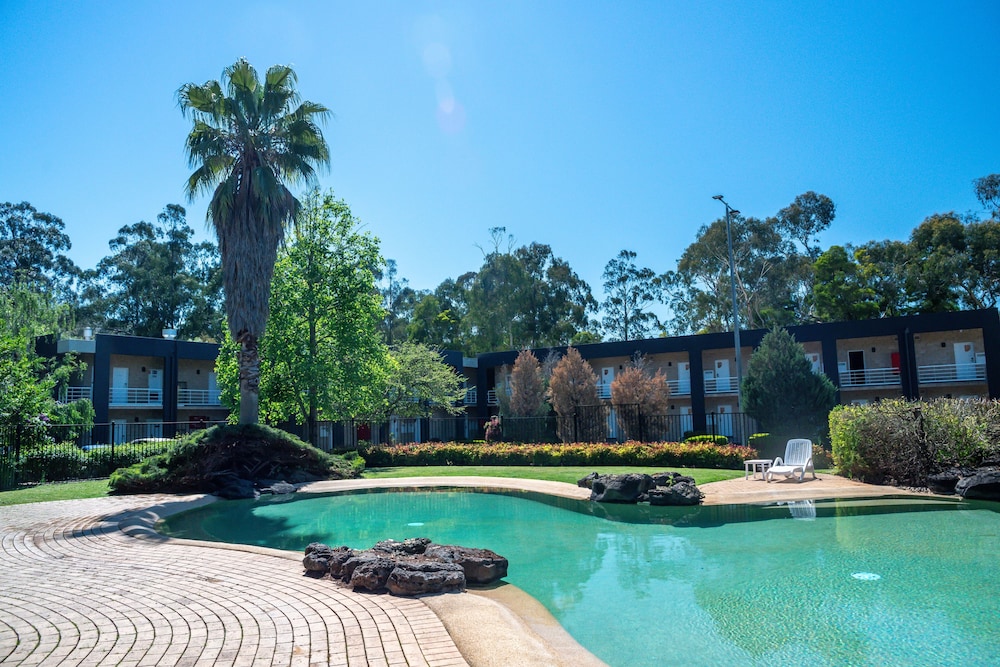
(155, 385)
(607, 377)
(119, 385)
(684, 377)
(965, 361)
(722, 375)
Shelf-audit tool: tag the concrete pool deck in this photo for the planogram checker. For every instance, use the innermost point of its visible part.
(90, 582)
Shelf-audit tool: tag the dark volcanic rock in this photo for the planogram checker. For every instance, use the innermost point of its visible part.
(412, 567)
(984, 485)
(279, 488)
(371, 573)
(945, 481)
(481, 566)
(620, 488)
(317, 558)
(422, 577)
(588, 481)
(681, 493)
(414, 545)
(231, 487)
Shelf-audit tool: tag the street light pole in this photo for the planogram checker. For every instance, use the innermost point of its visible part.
(736, 311)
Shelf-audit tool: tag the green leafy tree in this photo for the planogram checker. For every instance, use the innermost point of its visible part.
(420, 383)
(982, 286)
(557, 303)
(250, 139)
(155, 278)
(399, 301)
(32, 250)
(435, 324)
(838, 291)
(324, 355)
(883, 267)
(988, 193)
(770, 276)
(781, 391)
(527, 386)
(805, 218)
(629, 291)
(497, 297)
(939, 265)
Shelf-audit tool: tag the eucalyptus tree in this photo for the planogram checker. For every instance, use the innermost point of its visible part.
(250, 140)
(32, 249)
(629, 291)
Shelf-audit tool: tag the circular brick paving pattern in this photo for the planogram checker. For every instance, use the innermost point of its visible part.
(77, 590)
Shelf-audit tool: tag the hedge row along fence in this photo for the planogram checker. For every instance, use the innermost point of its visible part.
(905, 441)
(685, 454)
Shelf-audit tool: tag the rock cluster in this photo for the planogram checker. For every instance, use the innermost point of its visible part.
(664, 488)
(230, 486)
(415, 566)
(971, 483)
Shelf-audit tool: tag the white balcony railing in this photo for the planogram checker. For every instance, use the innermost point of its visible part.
(678, 388)
(604, 391)
(870, 377)
(199, 397)
(471, 396)
(951, 373)
(491, 397)
(721, 385)
(119, 396)
(78, 393)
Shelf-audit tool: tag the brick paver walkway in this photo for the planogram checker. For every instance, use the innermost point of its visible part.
(77, 590)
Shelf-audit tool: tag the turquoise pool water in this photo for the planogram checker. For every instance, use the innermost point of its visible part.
(861, 582)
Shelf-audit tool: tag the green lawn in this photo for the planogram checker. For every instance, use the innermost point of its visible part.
(97, 488)
(568, 474)
(90, 488)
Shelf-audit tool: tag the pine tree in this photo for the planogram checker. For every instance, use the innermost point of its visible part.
(781, 391)
(573, 385)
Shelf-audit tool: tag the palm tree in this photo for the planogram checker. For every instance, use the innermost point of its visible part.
(250, 139)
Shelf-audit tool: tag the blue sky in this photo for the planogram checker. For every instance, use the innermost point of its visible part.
(590, 126)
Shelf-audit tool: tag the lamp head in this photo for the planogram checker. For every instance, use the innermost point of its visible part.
(733, 211)
(718, 197)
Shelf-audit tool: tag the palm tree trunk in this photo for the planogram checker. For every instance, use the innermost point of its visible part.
(249, 364)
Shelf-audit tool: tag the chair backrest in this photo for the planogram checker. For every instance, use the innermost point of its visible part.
(797, 452)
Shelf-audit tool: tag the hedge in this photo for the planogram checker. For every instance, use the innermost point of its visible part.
(688, 454)
(904, 441)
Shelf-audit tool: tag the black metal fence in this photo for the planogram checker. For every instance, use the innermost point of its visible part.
(347, 435)
(40, 452)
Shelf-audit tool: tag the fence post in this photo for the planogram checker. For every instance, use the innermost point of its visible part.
(576, 426)
(642, 430)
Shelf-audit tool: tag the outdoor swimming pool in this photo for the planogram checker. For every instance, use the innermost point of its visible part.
(901, 581)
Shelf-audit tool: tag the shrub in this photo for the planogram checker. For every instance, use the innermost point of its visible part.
(701, 437)
(688, 454)
(52, 463)
(251, 451)
(902, 441)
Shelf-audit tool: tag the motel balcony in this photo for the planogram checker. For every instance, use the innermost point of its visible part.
(869, 377)
(721, 385)
(199, 397)
(942, 373)
(76, 394)
(135, 397)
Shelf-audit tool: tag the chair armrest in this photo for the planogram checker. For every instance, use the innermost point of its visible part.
(777, 462)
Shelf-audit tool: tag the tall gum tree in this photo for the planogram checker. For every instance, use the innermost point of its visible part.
(250, 139)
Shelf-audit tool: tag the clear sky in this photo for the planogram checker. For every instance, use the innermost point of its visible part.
(590, 126)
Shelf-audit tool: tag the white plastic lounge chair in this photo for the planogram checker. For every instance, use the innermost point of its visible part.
(798, 459)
